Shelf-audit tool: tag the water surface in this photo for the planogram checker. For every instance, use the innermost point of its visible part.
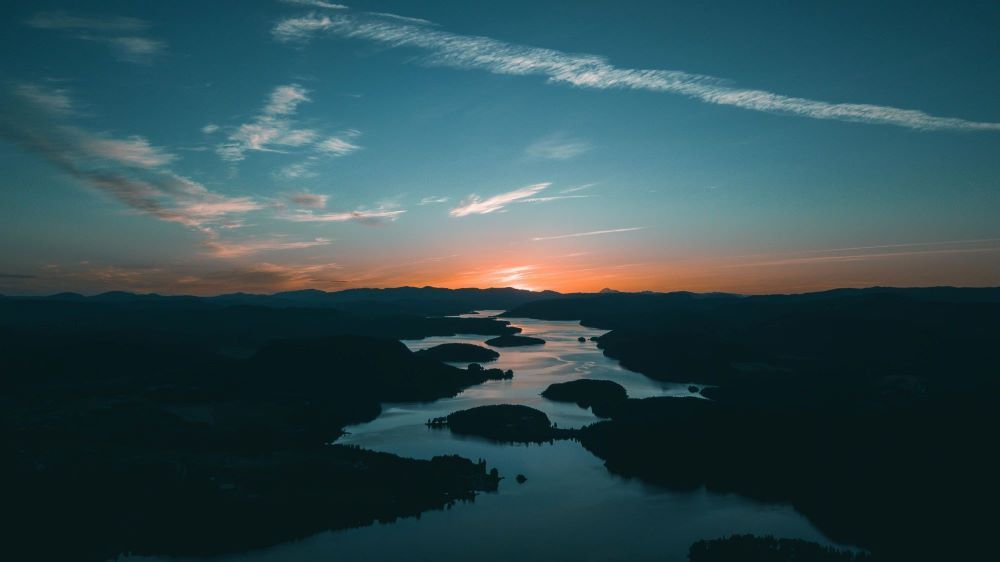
(569, 508)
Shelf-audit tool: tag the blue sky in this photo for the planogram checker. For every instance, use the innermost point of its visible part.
(190, 147)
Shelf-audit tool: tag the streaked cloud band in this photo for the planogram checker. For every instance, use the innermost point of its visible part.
(590, 233)
(592, 71)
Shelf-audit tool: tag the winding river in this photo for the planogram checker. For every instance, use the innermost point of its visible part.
(570, 507)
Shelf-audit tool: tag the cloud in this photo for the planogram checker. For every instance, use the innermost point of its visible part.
(474, 205)
(285, 99)
(557, 147)
(880, 252)
(553, 198)
(311, 200)
(591, 233)
(596, 72)
(62, 20)
(189, 277)
(117, 32)
(53, 101)
(210, 128)
(432, 200)
(339, 145)
(130, 170)
(407, 19)
(273, 131)
(378, 216)
(243, 248)
(315, 4)
(139, 50)
(132, 151)
(296, 171)
(270, 128)
(578, 188)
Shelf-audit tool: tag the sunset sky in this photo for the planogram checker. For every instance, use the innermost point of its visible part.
(210, 147)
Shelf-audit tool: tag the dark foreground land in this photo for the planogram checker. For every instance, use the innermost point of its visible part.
(176, 425)
(137, 427)
(748, 548)
(873, 412)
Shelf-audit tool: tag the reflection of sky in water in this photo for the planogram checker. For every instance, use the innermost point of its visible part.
(570, 507)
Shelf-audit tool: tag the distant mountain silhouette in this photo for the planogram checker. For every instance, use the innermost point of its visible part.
(424, 301)
(236, 325)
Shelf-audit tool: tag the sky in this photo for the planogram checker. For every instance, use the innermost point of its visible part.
(261, 146)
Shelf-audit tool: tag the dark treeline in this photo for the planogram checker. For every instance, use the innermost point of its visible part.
(748, 548)
(870, 411)
(239, 325)
(120, 441)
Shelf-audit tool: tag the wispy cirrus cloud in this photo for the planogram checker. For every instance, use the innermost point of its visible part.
(309, 200)
(270, 128)
(596, 72)
(285, 100)
(590, 233)
(236, 249)
(433, 200)
(557, 147)
(578, 188)
(138, 50)
(553, 198)
(131, 170)
(133, 151)
(339, 145)
(188, 277)
(274, 130)
(876, 252)
(120, 33)
(475, 205)
(364, 216)
(315, 4)
(55, 101)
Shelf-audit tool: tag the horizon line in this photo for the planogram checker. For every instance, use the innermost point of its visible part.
(604, 291)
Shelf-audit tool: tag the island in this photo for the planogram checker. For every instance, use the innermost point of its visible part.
(599, 395)
(510, 340)
(459, 353)
(484, 375)
(505, 423)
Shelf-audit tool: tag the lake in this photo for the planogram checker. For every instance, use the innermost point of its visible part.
(570, 507)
